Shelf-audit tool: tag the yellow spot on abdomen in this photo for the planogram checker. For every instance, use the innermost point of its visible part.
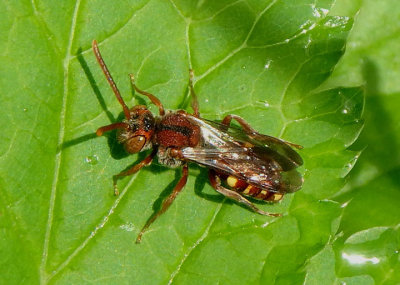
(247, 190)
(231, 181)
(277, 196)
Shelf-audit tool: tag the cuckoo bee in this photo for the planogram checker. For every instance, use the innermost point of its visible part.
(242, 162)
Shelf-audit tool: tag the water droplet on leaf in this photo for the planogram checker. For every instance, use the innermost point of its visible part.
(92, 159)
(267, 64)
(129, 227)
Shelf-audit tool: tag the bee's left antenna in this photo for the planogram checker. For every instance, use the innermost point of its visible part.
(110, 80)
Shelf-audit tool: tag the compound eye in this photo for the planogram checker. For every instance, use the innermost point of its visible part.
(135, 144)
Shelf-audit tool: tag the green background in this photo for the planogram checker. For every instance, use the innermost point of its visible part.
(321, 74)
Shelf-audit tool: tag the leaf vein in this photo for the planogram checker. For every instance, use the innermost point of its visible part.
(44, 25)
(242, 46)
(101, 225)
(58, 157)
(114, 33)
(177, 10)
(199, 241)
(119, 29)
(219, 11)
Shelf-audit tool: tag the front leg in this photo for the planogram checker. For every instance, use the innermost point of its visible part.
(216, 183)
(133, 170)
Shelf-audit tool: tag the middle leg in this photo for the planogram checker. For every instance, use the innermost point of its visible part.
(167, 202)
(133, 170)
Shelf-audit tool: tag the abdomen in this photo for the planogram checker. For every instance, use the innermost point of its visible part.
(247, 189)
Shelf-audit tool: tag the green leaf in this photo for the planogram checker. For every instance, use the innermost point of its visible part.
(368, 243)
(262, 60)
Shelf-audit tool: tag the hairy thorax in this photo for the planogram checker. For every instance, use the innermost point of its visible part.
(174, 131)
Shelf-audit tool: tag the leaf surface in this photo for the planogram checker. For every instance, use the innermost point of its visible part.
(262, 60)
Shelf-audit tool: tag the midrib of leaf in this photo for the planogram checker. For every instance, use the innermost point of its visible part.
(66, 64)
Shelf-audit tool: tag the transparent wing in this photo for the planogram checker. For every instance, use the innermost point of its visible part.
(269, 146)
(264, 145)
(248, 159)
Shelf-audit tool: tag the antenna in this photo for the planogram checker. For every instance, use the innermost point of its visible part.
(109, 78)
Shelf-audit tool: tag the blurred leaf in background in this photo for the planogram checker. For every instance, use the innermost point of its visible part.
(267, 61)
(368, 243)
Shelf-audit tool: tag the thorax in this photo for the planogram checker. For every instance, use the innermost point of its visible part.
(176, 130)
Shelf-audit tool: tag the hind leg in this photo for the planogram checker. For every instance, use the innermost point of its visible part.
(253, 133)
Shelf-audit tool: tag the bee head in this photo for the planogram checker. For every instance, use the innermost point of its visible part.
(138, 136)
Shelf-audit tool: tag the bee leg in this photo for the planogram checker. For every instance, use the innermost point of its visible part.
(152, 98)
(216, 183)
(132, 170)
(252, 132)
(195, 103)
(167, 202)
(246, 126)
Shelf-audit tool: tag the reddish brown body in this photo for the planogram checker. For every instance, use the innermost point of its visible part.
(241, 161)
(175, 130)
